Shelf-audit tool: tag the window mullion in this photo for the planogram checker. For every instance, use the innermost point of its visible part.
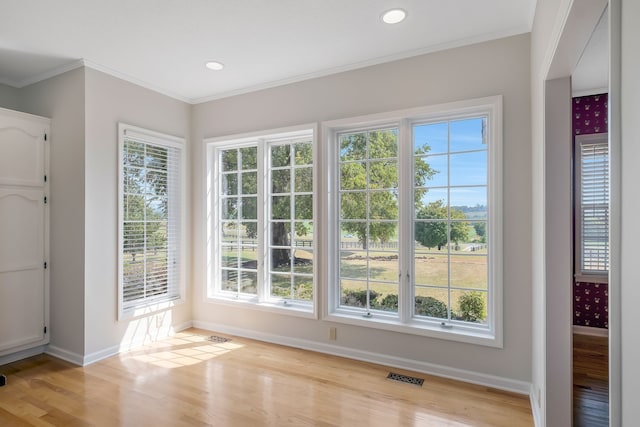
(405, 222)
(263, 215)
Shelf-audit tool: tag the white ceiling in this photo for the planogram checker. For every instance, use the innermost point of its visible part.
(164, 44)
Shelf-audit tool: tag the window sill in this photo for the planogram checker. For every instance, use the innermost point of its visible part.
(296, 309)
(433, 329)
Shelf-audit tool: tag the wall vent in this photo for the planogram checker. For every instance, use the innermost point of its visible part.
(217, 339)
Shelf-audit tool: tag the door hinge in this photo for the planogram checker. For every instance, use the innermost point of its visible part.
(45, 178)
(45, 136)
(45, 264)
(45, 329)
(45, 200)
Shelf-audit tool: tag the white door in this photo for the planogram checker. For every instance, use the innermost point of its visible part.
(24, 292)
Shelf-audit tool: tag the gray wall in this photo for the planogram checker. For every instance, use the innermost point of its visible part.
(61, 98)
(9, 97)
(491, 68)
(108, 101)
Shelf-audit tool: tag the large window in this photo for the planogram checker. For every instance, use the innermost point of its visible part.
(592, 208)
(261, 212)
(415, 240)
(150, 230)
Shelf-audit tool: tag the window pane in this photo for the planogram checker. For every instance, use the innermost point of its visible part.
(384, 205)
(249, 207)
(229, 280)
(280, 233)
(353, 146)
(383, 144)
(304, 154)
(303, 180)
(249, 183)
(431, 138)
(230, 256)
(281, 285)
(471, 201)
(134, 180)
(469, 271)
(468, 168)
(467, 135)
(249, 282)
(353, 205)
(355, 294)
(353, 265)
(304, 207)
(469, 306)
(229, 208)
(431, 268)
(383, 175)
(229, 160)
(303, 261)
(281, 181)
(353, 176)
(303, 288)
(280, 155)
(432, 234)
(229, 184)
(281, 207)
(281, 260)
(431, 302)
(431, 171)
(134, 207)
(249, 157)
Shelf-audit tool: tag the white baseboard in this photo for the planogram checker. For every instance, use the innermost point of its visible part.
(96, 356)
(21, 354)
(535, 409)
(520, 387)
(69, 356)
(594, 332)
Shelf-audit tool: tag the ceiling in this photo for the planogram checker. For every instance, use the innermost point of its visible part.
(164, 44)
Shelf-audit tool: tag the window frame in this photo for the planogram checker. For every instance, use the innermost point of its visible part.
(490, 335)
(581, 275)
(149, 137)
(261, 139)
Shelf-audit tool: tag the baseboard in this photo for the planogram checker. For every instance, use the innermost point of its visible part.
(96, 356)
(520, 387)
(535, 409)
(23, 354)
(587, 330)
(69, 356)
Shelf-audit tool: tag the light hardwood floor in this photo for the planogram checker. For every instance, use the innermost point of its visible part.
(590, 381)
(189, 381)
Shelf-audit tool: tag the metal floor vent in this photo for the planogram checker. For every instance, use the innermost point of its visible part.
(217, 339)
(405, 379)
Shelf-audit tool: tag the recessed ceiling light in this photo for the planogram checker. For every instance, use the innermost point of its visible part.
(394, 16)
(214, 65)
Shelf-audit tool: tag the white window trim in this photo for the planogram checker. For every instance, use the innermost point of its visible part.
(490, 335)
(152, 137)
(259, 302)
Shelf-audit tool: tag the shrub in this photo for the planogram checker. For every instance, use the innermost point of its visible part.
(389, 303)
(471, 307)
(358, 297)
(429, 306)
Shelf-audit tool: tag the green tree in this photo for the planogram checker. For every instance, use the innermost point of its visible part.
(434, 233)
(369, 164)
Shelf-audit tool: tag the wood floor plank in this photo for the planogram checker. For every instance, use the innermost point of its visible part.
(590, 381)
(189, 381)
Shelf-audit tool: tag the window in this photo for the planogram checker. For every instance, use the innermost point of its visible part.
(415, 223)
(150, 220)
(592, 208)
(261, 214)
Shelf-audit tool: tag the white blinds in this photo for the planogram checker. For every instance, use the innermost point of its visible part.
(594, 206)
(150, 240)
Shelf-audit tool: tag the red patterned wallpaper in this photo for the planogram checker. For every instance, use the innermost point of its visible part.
(590, 300)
